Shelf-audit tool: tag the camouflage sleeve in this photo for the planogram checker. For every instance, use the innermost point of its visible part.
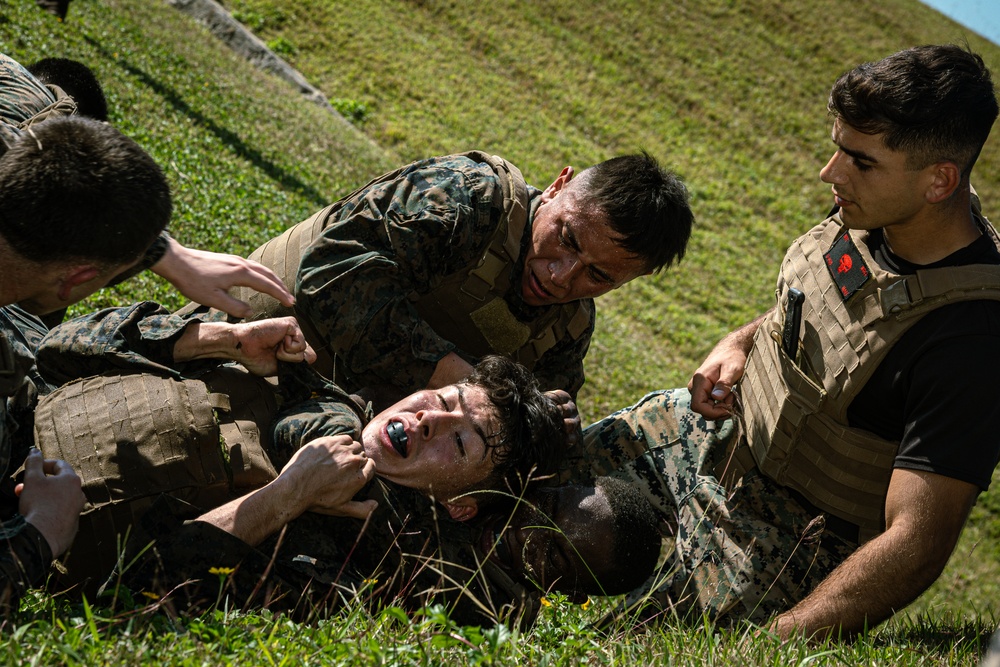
(21, 94)
(562, 366)
(390, 241)
(25, 557)
(312, 408)
(139, 337)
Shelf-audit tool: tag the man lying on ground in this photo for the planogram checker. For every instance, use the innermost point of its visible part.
(152, 379)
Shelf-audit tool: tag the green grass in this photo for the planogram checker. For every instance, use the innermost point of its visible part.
(729, 94)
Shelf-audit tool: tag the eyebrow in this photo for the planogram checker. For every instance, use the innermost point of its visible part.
(465, 410)
(856, 154)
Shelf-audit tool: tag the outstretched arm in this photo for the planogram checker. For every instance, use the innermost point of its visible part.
(258, 345)
(205, 277)
(925, 513)
(711, 386)
(322, 476)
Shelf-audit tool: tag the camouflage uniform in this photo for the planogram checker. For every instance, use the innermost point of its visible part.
(396, 239)
(746, 551)
(405, 554)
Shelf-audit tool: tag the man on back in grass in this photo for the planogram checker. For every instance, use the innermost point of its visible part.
(860, 455)
(135, 415)
(412, 278)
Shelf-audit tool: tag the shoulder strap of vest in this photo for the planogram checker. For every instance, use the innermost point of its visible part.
(505, 246)
(913, 294)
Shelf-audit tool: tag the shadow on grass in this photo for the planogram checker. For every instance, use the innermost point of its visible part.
(227, 137)
(939, 636)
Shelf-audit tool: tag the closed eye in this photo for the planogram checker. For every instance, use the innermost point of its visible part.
(458, 436)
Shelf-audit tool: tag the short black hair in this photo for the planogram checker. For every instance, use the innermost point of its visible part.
(77, 189)
(646, 205)
(933, 102)
(637, 539)
(530, 436)
(77, 80)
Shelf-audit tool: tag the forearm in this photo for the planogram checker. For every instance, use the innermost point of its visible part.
(257, 515)
(139, 337)
(25, 557)
(924, 513)
(879, 579)
(207, 340)
(742, 338)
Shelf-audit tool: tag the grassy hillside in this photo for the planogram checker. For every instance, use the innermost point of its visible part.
(729, 94)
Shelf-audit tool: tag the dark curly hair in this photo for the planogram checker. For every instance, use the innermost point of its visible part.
(637, 538)
(530, 436)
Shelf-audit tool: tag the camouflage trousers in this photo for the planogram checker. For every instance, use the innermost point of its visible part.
(748, 551)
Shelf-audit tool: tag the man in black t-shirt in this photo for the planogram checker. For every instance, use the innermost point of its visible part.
(859, 454)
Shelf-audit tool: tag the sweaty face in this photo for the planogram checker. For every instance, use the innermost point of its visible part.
(434, 440)
(573, 253)
(558, 540)
(871, 184)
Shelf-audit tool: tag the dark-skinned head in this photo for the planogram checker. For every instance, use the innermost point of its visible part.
(578, 540)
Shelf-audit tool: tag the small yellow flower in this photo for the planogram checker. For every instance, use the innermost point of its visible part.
(545, 602)
(225, 571)
(585, 605)
(371, 581)
(151, 595)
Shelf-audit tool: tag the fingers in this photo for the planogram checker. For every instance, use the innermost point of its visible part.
(264, 280)
(228, 304)
(36, 466)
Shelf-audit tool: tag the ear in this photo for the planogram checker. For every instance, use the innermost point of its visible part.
(462, 509)
(565, 176)
(945, 179)
(74, 277)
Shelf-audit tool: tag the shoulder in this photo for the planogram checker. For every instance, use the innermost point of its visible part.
(21, 94)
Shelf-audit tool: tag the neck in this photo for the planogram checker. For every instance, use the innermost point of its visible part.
(942, 232)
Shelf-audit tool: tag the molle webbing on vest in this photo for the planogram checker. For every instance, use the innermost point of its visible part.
(468, 307)
(133, 437)
(795, 414)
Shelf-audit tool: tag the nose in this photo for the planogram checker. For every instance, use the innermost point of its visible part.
(833, 173)
(431, 422)
(561, 271)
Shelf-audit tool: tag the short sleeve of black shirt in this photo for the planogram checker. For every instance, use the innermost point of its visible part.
(937, 389)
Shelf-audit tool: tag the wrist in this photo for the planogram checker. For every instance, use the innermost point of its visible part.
(207, 340)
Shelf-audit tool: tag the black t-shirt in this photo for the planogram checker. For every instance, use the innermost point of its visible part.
(937, 391)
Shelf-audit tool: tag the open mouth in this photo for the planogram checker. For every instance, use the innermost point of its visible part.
(535, 285)
(397, 437)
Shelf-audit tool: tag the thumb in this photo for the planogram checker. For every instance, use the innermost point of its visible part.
(33, 463)
(721, 390)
